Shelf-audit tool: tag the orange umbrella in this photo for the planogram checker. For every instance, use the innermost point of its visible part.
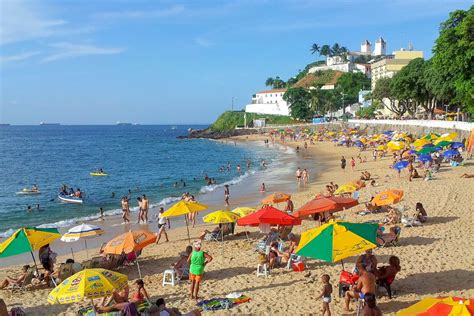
(325, 204)
(130, 242)
(276, 197)
(387, 197)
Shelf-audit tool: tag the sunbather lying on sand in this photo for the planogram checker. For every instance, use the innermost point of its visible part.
(138, 297)
(18, 280)
(383, 238)
(392, 217)
(161, 310)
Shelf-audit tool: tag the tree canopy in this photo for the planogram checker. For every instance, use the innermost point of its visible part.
(299, 102)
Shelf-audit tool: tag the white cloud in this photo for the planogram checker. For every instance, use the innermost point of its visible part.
(141, 14)
(18, 57)
(66, 50)
(204, 42)
(22, 20)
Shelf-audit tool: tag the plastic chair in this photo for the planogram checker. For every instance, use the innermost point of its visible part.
(262, 270)
(169, 277)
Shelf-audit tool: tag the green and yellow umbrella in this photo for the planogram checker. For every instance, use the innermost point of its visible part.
(421, 142)
(87, 284)
(337, 240)
(243, 211)
(431, 136)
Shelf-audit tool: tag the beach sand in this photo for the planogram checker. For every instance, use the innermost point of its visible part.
(436, 259)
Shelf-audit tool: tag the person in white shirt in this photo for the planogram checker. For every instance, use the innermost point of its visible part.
(162, 221)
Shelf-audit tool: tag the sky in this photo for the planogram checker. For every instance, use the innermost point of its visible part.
(179, 62)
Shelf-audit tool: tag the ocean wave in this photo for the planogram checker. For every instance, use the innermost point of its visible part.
(212, 187)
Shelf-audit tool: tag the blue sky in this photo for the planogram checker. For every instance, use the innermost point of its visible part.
(167, 62)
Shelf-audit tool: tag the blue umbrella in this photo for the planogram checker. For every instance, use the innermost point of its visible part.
(457, 145)
(438, 148)
(388, 133)
(428, 145)
(425, 158)
(358, 143)
(450, 153)
(412, 152)
(334, 140)
(401, 165)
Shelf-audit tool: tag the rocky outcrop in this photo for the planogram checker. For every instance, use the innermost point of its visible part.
(208, 133)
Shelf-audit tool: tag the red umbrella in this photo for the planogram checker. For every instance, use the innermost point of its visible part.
(268, 215)
(322, 204)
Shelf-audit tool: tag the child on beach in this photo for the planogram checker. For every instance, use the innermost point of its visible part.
(101, 210)
(263, 188)
(326, 294)
(197, 261)
(226, 195)
(353, 163)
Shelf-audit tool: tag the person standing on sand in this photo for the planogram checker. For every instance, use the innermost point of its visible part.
(343, 164)
(298, 176)
(289, 206)
(226, 194)
(353, 163)
(125, 210)
(162, 225)
(197, 261)
(326, 294)
(140, 209)
(145, 206)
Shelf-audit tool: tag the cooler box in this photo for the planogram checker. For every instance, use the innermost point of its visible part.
(298, 266)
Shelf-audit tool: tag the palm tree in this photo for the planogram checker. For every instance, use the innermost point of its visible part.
(314, 48)
(325, 50)
(335, 49)
(269, 82)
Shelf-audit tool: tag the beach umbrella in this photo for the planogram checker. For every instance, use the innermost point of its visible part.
(243, 211)
(83, 231)
(448, 136)
(440, 306)
(443, 143)
(402, 164)
(358, 143)
(268, 215)
(337, 240)
(421, 142)
(346, 188)
(221, 217)
(28, 239)
(450, 153)
(412, 152)
(388, 133)
(130, 242)
(387, 197)
(276, 197)
(88, 284)
(457, 145)
(325, 204)
(427, 150)
(381, 147)
(425, 158)
(428, 145)
(184, 208)
(431, 136)
(395, 145)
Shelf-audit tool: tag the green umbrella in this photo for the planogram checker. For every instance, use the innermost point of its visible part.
(426, 150)
(337, 240)
(431, 136)
(443, 143)
(28, 239)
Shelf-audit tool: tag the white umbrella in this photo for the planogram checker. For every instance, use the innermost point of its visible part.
(84, 231)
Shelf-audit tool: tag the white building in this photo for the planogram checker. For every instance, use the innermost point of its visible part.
(366, 47)
(268, 102)
(380, 47)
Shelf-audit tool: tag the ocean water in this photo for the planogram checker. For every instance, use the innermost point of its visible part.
(144, 159)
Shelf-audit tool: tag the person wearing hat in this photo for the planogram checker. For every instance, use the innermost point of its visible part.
(197, 261)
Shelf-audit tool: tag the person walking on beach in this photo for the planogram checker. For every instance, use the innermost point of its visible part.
(145, 207)
(289, 206)
(140, 209)
(162, 221)
(353, 163)
(343, 164)
(326, 294)
(305, 176)
(298, 176)
(226, 194)
(125, 210)
(197, 261)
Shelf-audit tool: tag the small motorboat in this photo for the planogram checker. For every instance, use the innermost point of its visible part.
(26, 191)
(69, 199)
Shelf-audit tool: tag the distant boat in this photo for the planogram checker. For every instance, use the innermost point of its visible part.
(69, 199)
(44, 123)
(122, 124)
(4, 124)
(174, 127)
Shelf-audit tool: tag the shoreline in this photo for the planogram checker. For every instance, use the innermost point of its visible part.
(433, 257)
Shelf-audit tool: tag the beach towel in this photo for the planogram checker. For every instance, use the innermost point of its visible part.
(129, 310)
(215, 304)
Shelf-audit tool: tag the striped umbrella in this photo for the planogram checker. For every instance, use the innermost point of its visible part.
(84, 231)
(449, 306)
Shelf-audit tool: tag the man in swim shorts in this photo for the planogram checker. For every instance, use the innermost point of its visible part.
(365, 285)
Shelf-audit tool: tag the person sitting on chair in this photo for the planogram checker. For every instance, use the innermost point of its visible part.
(386, 274)
(182, 264)
(365, 286)
(214, 233)
(18, 280)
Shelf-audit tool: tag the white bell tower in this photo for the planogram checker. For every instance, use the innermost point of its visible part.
(380, 47)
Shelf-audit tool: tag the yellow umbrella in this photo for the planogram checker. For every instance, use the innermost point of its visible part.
(87, 284)
(243, 211)
(381, 147)
(449, 136)
(346, 188)
(184, 208)
(220, 217)
(449, 306)
(421, 142)
(395, 145)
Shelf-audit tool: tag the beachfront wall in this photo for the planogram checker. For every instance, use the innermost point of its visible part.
(416, 126)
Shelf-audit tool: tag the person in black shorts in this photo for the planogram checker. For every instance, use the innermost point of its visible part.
(343, 163)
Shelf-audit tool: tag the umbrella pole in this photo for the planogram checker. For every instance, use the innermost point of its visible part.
(187, 227)
(87, 252)
(34, 261)
(342, 262)
(72, 253)
(138, 266)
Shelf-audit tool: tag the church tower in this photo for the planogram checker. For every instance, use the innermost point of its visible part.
(366, 47)
(380, 47)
